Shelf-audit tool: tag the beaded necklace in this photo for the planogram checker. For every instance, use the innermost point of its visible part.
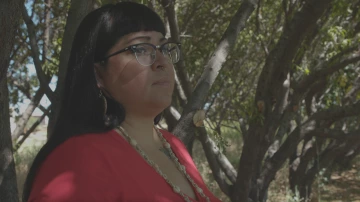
(179, 166)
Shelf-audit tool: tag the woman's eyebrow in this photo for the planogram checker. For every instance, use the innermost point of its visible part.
(146, 38)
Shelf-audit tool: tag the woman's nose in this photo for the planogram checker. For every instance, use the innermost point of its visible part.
(160, 61)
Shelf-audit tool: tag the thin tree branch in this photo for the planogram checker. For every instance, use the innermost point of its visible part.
(258, 29)
(18, 47)
(190, 15)
(222, 160)
(216, 94)
(180, 92)
(325, 70)
(25, 88)
(337, 134)
(28, 96)
(337, 113)
(316, 90)
(171, 116)
(31, 129)
(214, 164)
(351, 95)
(20, 125)
(46, 34)
(169, 7)
(51, 61)
(43, 78)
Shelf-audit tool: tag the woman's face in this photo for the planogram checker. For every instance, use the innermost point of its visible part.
(140, 89)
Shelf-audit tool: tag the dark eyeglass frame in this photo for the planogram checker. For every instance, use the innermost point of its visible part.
(133, 47)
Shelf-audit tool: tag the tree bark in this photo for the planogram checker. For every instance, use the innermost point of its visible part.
(78, 10)
(46, 34)
(10, 13)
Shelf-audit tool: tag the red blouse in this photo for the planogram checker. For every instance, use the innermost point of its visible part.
(106, 168)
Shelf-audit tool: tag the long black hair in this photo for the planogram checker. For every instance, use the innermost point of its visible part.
(82, 110)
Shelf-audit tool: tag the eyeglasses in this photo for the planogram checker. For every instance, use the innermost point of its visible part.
(145, 53)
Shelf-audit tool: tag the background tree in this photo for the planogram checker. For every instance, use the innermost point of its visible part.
(282, 75)
(9, 21)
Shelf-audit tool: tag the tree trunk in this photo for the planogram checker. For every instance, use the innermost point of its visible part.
(9, 20)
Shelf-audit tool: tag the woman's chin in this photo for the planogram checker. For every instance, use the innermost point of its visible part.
(161, 103)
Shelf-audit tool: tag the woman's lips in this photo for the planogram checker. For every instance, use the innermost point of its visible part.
(162, 82)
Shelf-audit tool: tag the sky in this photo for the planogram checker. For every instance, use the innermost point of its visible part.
(44, 101)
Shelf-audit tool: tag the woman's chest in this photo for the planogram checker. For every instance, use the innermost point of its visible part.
(140, 181)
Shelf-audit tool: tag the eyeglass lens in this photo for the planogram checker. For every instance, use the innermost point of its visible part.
(146, 54)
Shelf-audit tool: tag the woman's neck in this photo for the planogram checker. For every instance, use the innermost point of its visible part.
(142, 130)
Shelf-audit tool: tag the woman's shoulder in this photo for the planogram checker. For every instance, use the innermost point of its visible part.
(84, 150)
(71, 171)
(86, 142)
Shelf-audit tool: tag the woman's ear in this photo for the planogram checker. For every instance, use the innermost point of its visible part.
(99, 74)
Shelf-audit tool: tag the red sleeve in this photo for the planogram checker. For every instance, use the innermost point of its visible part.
(74, 171)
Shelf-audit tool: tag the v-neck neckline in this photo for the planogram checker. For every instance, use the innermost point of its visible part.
(177, 154)
(182, 162)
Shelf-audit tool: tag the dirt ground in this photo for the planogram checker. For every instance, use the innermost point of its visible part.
(340, 187)
(344, 186)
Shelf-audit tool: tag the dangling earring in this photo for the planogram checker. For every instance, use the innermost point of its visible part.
(104, 101)
(158, 118)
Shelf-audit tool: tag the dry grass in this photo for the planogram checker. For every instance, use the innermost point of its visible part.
(25, 155)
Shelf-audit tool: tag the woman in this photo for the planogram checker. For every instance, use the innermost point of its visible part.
(104, 146)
